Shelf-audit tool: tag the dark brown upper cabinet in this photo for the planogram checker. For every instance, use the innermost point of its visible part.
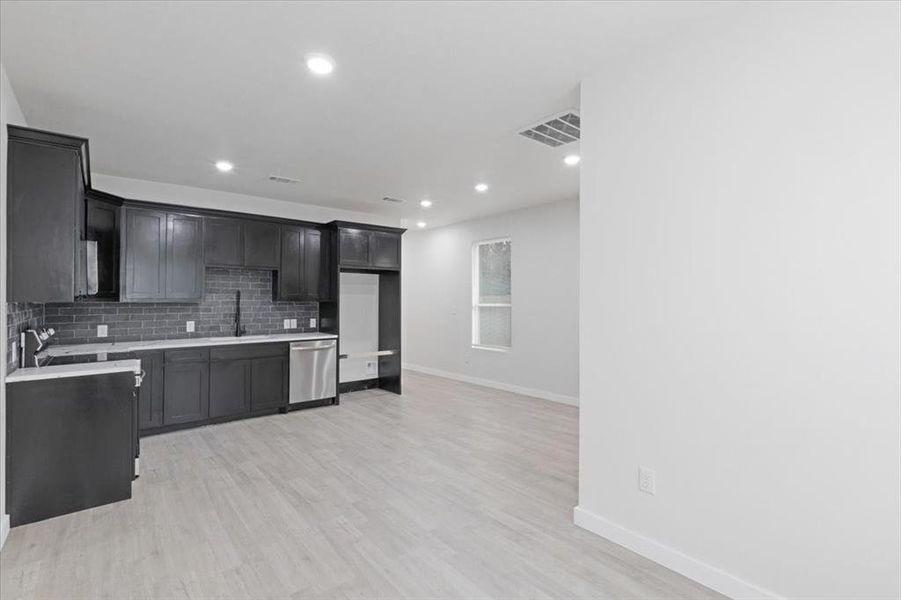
(290, 274)
(301, 273)
(163, 256)
(312, 263)
(384, 250)
(102, 226)
(184, 257)
(232, 242)
(143, 275)
(47, 178)
(354, 247)
(262, 245)
(223, 242)
(369, 249)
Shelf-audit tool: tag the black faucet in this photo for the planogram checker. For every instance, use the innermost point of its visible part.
(239, 329)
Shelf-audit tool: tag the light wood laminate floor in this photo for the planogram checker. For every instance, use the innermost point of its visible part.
(449, 491)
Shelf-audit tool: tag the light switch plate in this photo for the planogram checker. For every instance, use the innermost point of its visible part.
(312, 322)
(102, 330)
(14, 352)
(370, 367)
(286, 324)
(293, 323)
(189, 326)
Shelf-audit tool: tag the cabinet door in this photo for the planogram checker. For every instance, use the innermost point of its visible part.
(43, 227)
(328, 289)
(184, 257)
(145, 255)
(384, 250)
(229, 387)
(222, 242)
(150, 394)
(354, 247)
(312, 263)
(102, 220)
(290, 275)
(186, 396)
(262, 246)
(269, 382)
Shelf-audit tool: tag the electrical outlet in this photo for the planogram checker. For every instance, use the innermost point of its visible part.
(189, 326)
(293, 323)
(101, 357)
(286, 324)
(647, 480)
(313, 323)
(370, 367)
(102, 330)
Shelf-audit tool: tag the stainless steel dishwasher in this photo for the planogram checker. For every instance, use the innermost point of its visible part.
(313, 370)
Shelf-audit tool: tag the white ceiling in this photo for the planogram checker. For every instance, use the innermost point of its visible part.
(426, 99)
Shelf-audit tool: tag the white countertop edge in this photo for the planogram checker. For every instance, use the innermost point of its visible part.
(77, 370)
(140, 346)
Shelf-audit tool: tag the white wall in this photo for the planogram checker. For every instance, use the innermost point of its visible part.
(740, 301)
(437, 302)
(10, 113)
(154, 191)
(359, 320)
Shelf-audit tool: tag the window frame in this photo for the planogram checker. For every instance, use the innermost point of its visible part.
(475, 336)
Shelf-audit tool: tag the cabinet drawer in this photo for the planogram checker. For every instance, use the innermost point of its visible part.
(187, 355)
(239, 352)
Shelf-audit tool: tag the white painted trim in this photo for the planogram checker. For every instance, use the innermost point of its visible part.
(703, 573)
(4, 529)
(570, 400)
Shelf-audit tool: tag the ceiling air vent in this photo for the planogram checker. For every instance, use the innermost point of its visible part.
(280, 179)
(556, 131)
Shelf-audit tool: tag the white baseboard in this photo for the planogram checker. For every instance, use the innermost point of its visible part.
(672, 559)
(495, 384)
(4, 529)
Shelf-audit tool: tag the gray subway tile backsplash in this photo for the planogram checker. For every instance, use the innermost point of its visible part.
(19, 317)
(76, 322)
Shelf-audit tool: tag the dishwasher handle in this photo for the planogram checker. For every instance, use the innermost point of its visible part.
(318, 345)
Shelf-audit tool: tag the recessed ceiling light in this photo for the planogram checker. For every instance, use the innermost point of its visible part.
(572, 159)
(421, 224)
(320, 64)
(425, 203)
(481, 187)
(224, 166)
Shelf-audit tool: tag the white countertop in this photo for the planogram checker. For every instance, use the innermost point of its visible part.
(79, 370)
(109, 347)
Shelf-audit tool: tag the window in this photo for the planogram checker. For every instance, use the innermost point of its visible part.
(491, 295)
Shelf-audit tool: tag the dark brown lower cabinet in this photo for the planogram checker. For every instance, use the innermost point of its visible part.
(72, 444)
(193, 386)
(229, 388)
(186, 394)
(269, 382)
(150, 394)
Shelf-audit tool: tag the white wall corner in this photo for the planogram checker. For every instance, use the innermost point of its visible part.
(524, 391)
(697, 570)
